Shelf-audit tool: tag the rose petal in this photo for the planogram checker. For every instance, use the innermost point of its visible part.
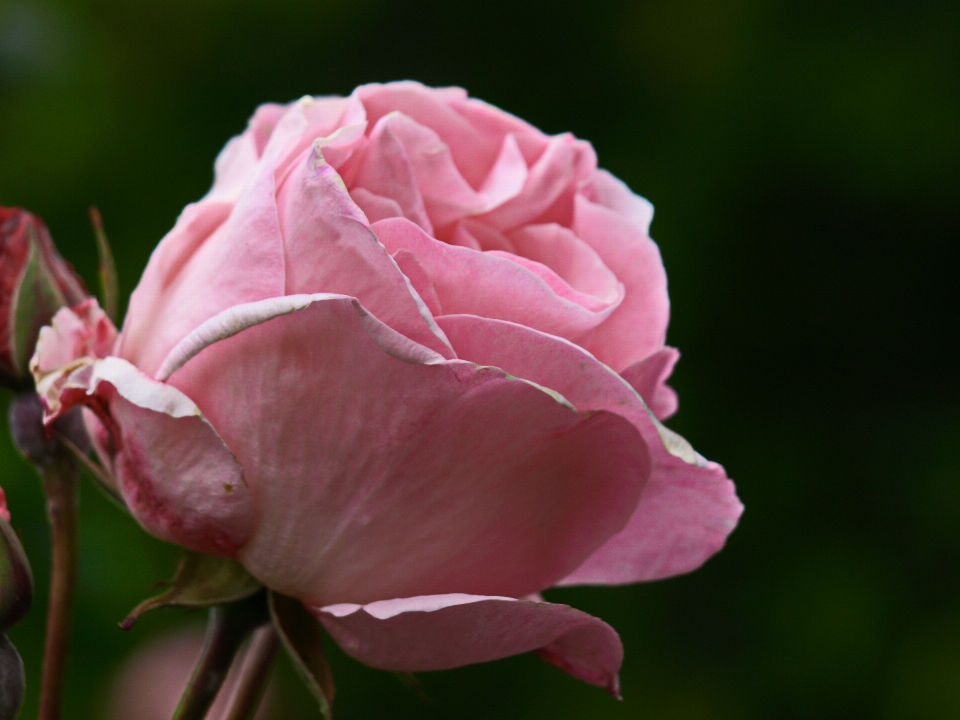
(687, 508)
(556, 174)
(192, 276)
(386, 170)
(569, 257)
(438, 632)
(483, 283)
(419, 475)
(416, 160)
(638, 327)
(330, 248)
(473, 131)
(649, 378)
(177, 477)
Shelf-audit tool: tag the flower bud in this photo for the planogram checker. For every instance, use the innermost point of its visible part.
(34, 283)
(16, 579)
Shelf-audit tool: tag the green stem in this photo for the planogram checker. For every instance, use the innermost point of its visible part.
(227, 628)
(254, 674)
(60, 482)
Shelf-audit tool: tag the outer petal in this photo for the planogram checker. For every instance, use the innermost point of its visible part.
(649, 378)
(209, 274)
(330, 248)
(392, 472)
(177, 477)
(688, 506)
(638, 327)
(482, 283)
(437, 632)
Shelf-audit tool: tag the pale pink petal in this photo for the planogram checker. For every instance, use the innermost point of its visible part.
(638, 327)
(176, 475)
(194, 226)
(330, 248)
(554, 177)
(561, 287)
(649, 378)
(447, 196)
(479, 236)
(489, 125)
(375, 207)
(411, 267)
(612, 192)
(687, 508)
(83, 331)
(216, 276)
(488, 284)
(385, 170)
(419, 475)
(339, 124)
(569, 257)
(438, 632)
(473, 131)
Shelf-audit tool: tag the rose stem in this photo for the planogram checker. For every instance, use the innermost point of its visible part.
(227, 628)
(254, 674)
(60, 482)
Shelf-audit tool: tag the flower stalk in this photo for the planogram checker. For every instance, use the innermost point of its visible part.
(227, 629)
(60, 483)
(254, 674)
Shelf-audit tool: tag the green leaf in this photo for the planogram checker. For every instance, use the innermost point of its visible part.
(301, 634)
(200, 581)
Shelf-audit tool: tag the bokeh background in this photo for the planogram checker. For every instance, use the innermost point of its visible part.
(804, 160)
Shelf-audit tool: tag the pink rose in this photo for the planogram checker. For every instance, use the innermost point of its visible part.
(378, 364)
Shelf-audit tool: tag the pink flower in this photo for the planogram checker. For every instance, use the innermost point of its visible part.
(378, 364)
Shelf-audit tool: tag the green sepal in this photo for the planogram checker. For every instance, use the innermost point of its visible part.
(200, 581)
(101, 478)
(16, 578)
(36, 298)
(109, 284)
(301, 635)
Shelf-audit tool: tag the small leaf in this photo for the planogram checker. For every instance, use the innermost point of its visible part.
(11, 679)
(200, 581)
(301, 635)
(109, 285)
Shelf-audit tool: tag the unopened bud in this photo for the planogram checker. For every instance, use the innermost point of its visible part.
(11, 679)
(16, 580)
(35, 282)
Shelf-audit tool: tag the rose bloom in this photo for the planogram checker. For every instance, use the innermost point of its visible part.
(405, 362)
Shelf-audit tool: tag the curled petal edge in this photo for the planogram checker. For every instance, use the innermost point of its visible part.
(438, 632)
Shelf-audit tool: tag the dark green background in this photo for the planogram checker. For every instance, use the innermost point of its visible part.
(804, 160)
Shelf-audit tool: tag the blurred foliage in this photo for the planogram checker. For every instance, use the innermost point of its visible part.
(804, 158)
